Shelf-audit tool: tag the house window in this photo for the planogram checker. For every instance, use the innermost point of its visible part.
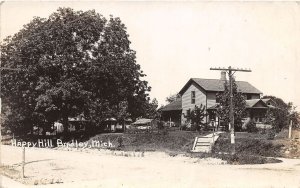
(249, 96)
(188, 112)
(193, 97)
(259, 119)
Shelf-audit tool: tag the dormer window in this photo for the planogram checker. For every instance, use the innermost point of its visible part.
(193, 97)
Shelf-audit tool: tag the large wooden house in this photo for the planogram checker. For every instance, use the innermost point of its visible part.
(199, 91)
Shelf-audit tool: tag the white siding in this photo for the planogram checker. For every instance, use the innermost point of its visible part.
(186, 100)
(210, 103)
(211, 99)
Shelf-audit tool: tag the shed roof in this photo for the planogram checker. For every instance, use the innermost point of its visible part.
(218, 85)
(176, 105)
(142, 121)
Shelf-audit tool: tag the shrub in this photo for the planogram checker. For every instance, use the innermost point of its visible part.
(160, 125)
(194, 127)
(120, 141)
(258, 147)
(262, 131)
(248, 146)
(165, 131)
(251, 127)
(271, 134)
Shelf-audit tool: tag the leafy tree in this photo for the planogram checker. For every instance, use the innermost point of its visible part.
(278, 102)
(239, 105)
(196, 116)
(280, 116)
(151, 109)
(173, 98)
(71, 63)
(251, 127)
(295, 117)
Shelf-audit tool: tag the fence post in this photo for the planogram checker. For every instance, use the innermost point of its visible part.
(290, 129)
(23, 162)
(195, 142)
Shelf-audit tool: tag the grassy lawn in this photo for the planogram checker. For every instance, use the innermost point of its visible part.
(173, 141)
(249, 144)
(251, 148)
(256, 148)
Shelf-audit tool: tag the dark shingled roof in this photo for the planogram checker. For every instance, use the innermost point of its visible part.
(249, 104)
(176, 105)
(218, 85)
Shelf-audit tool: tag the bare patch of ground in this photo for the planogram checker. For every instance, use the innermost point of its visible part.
(156, 169)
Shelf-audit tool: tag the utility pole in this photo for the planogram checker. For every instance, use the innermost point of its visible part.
(231, 72)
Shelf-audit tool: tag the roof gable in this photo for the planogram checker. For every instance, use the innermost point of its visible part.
(269, 101)
(256, 103)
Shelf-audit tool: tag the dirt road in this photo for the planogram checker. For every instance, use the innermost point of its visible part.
(95, 169)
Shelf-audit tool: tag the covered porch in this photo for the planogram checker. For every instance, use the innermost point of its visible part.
(171, 113)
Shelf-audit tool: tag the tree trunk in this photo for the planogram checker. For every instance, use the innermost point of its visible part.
(65, 124)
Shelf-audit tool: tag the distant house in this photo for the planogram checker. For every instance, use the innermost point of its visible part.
(113, 125)
(199, 91)
(256, 110)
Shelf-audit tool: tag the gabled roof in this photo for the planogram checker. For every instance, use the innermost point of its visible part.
(266, 100)
(252, 103)
(176, 105)
(217, 85)
(270, 102)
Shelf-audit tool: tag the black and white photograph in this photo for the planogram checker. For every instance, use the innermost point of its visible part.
(154, 94)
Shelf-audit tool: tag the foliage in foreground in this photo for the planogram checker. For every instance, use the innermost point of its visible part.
(195, 117)
(249, 151)
(248, 146)
(172, 141)
(280, 116)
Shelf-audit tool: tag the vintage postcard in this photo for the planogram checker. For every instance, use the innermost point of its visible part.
(149, 94)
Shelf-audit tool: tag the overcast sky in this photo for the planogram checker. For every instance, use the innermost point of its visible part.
(176, 41)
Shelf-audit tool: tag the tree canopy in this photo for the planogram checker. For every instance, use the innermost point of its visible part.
(239, 104)
(72, 63)
(280, 116)
(196, 117)
(172, 98)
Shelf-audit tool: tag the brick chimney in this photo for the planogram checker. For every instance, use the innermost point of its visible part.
(223, 75)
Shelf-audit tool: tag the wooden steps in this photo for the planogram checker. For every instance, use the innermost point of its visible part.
(204, 143)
